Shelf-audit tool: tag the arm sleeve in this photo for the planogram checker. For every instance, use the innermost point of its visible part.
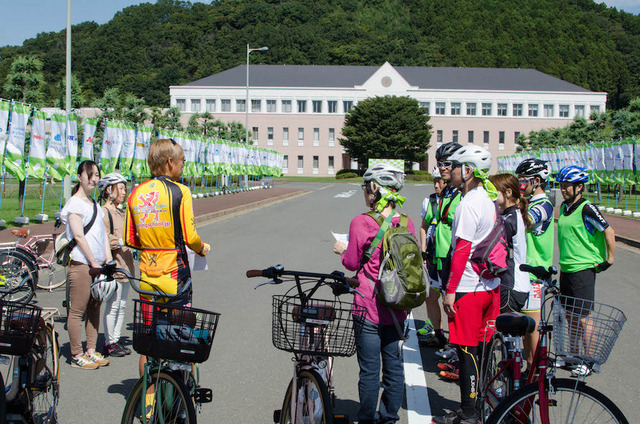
(357, 238)
(191, 237)
(458, 264)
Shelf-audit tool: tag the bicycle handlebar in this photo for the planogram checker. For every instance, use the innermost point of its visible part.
(540, 272)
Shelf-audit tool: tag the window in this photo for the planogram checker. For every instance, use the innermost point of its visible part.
(502, 109)
(300, 164)
(254, 131)
(195, 105)
(181, 104)
(316, 137)
(285, 161)
(317, 106)
(347, 105)
(516, 135)
(286, 106)
(579, 109)
(241, 105)
(455, 136)
(455, 108)
(594, 109)
(211, 105)
(486, 137)
(270, 136)
(548, 111)
(533, 110)
(316, 161)
(332, 105)
(501, 140)
(331, 164)
(256, 105)
(486, 109)
(225, 105)
(517, 109)
(425, 106)
(440, 107)
(471, 109)
(332, 137)
(563, 111)
(302, 106)
(300, 136)
(439, 136)
(271, 105)
(285, 136)
(470, 137)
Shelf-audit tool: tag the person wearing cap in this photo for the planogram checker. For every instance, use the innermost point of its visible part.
(113, 192)
(382, 335)
(470, 300)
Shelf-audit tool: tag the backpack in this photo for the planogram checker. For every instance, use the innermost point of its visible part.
(489, 259)
(403, 276)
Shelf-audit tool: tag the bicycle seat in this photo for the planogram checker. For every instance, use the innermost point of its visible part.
(513, 324)
(20, 232)
(310, 313)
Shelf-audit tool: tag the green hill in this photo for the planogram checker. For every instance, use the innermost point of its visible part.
(146, 48)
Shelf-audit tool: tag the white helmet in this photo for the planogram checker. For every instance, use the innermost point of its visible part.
(436, 173)
(109, 180)
(474, 156)
(386, 175)
(102, 288)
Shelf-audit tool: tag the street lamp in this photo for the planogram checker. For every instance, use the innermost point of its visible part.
(246, 106)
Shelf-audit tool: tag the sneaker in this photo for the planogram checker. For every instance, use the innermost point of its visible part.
(114, 350)
(451, 375)
(454, 418)
(427, 329)
(84, 362)
(432, 340)
(98, 359)
(447, 354)
(449, 366)
(124, 348)
(581, 371)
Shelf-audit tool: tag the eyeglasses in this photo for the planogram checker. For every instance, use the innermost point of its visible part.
(445, 164)
(524, 180)
(455, 165)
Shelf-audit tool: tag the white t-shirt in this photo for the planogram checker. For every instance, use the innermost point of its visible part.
(96, 237)
(521, 281)
(473, 221)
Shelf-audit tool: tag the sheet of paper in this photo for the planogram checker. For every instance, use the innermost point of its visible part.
(197, 262)
(343, 238)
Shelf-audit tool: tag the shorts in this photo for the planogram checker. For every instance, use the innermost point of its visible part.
(511, 300)
(580, 285)
(468, 327)
(534, 302)
(169, 284)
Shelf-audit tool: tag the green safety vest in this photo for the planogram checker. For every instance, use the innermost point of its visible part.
(540, 247)
(446, 210)
(579, 249)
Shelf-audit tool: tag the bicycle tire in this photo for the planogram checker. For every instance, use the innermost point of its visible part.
(590, 406)
(46, 385)
(323, 408)
(173, 409)
(50, 279)
(32, 261)
(16, 268)
(502, 386)
(3, 407)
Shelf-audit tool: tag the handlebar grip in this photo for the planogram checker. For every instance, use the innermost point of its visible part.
(353, 282)
(539, 271)
(254, 273)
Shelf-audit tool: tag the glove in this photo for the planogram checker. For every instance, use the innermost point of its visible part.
(340, 289)
(603, 266)
(205, 249)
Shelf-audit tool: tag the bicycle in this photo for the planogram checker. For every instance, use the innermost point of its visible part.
(29, 352)
(545, 398)
(174, 339)
(315, 330)
(18, 275)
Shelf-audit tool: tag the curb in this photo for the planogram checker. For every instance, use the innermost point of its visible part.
(238, 210)
(628, 241)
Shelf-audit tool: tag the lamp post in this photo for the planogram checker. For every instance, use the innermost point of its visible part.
(246, 106)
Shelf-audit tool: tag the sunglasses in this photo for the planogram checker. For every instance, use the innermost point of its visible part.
(445, 164)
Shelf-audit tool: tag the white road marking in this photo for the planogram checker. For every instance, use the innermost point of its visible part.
(346, 194)
(327, 186)
(418, 407)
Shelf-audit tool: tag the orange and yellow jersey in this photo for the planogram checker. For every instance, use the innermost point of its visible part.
(159, 221)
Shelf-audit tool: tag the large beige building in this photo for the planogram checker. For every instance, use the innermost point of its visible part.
(299, 110)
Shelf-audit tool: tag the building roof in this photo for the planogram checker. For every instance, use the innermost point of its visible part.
(434, 78)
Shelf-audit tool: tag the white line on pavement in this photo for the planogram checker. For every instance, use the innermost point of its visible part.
(346, 194)
(327, 186)
(418, 407)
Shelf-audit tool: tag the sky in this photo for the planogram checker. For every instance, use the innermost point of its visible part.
(23, 19)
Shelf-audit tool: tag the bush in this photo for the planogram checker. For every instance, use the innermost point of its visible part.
(419, 177)
(350, 171)
(418, 172)
(345, 175)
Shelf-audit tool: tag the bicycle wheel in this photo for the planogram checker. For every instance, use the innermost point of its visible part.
(312, 402)
(171, 404)
(493, 392)
(45, 387)
(15, 270)
(567, 403)
(52, 276)
(3, 408)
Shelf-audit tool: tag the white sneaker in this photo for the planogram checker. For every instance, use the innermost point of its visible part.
(447, 354)
(581, 371)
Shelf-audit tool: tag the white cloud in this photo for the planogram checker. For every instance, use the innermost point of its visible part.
(629, 6)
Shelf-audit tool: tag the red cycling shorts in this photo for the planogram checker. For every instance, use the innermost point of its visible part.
(473, 310)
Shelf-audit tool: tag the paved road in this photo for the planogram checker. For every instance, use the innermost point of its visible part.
(247, 374)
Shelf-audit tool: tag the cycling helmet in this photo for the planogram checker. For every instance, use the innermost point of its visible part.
(102, 288)
(109, 180)
(474, 156)
(572, 174)
(436, 173)
(446, 150)
(533, 168)
(386, 175)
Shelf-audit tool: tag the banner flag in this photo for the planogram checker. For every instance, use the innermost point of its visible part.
(202, 156)
(5, 107)
(57, 149)
(72, 144)
(140, 166)
(626, 150)
(189, 147)
(108, 139)
(14, 161)
(116, 145)
(128, 147)
(90, 125)
(37, 150)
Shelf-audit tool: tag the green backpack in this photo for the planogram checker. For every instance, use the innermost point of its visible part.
(403, 275)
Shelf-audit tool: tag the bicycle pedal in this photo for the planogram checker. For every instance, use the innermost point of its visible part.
(341, 419)
(276, 415)
(203, 395)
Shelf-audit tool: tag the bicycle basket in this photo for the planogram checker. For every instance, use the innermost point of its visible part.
(320, 327)
(173, 332)
(584, 329)
(19, 323)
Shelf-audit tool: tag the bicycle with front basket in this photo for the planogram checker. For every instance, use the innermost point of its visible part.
(315, 325)
(175, 339)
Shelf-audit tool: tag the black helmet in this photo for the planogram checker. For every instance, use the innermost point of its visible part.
(533, 168)
(446, 150)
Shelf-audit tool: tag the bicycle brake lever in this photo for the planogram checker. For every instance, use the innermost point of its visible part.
(357, 292)
(265, 283)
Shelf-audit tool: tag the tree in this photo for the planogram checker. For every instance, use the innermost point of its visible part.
(388, 127)
(78, 99)
(25, 81)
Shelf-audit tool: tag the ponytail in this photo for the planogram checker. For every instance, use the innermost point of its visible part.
(509, 181)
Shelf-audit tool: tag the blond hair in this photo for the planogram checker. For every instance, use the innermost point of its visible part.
(160, 152)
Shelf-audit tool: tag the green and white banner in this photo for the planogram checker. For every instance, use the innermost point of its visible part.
(398, 163)
(37, 150)
(140, 166)
(72, 144)
(57, 149)
(108, 139)
(128, 131)
(14, 160)
(5, 107)
(90, 125)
